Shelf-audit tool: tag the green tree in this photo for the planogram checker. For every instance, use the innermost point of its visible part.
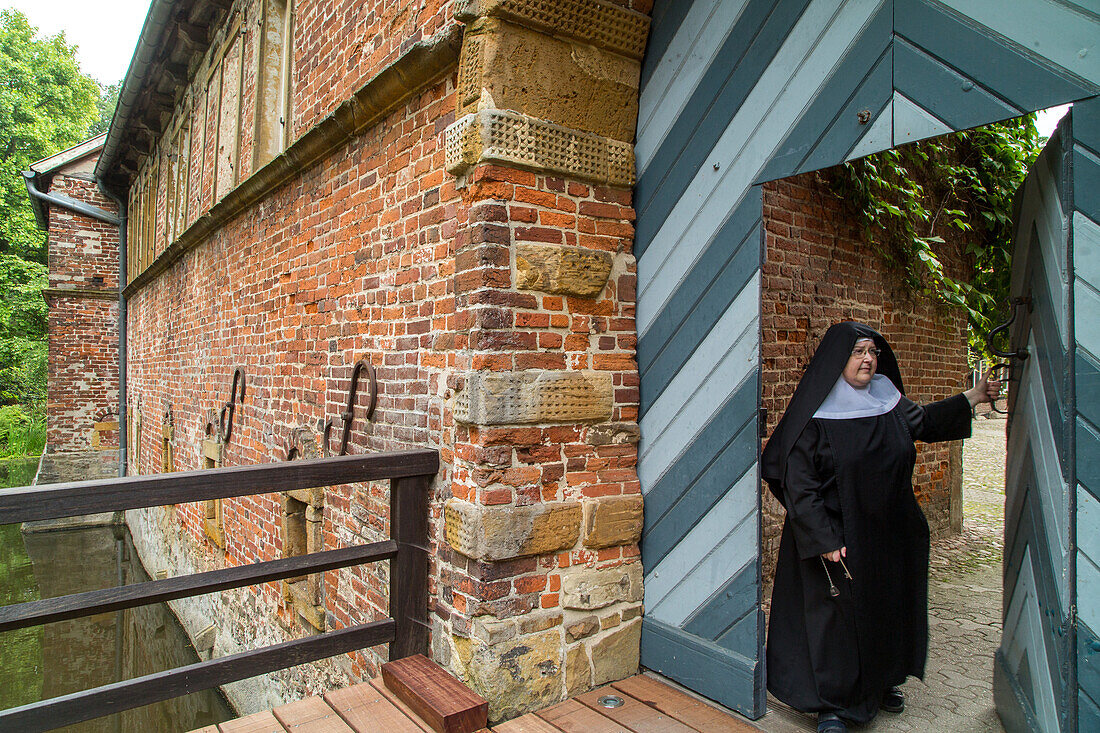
(46, 105)
(22, 332)
(105, 108)
(910, 197)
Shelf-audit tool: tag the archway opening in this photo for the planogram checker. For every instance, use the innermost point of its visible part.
(827, 260)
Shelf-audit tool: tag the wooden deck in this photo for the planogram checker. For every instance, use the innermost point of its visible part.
(649, 706)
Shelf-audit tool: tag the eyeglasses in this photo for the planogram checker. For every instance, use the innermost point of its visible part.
(860, 352)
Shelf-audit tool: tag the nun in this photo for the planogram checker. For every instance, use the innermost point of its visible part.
(849, 606)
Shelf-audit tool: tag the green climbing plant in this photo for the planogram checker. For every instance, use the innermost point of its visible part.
(909, 198)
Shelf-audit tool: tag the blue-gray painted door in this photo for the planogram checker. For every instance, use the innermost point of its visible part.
(1032, 665)
(734, 93)
(1084, 227)
(1046, 675)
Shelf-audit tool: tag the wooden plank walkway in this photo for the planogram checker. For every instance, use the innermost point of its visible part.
(649, 706)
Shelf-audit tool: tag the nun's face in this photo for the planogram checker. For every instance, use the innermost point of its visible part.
(861, 364)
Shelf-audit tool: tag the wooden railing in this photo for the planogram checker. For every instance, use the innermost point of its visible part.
(406, 630)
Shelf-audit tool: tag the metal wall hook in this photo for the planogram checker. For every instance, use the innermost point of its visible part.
(349, 412)
(236, 394)
(1020, 353)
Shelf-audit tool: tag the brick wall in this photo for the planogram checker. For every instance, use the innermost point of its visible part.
(82, 389)
(819, 270)
(350, 260)
(497, 308)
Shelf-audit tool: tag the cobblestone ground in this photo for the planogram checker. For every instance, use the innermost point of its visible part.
(964, 612)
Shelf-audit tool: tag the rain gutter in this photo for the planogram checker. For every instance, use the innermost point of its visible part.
(160, 12)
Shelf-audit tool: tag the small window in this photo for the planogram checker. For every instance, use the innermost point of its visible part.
(166, 434)
(213, 523)
(302, 525)
(273, 82)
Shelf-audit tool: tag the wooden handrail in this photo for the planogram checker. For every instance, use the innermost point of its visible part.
(410, 473)
(54, 501)
(78, 605)
(87, 704)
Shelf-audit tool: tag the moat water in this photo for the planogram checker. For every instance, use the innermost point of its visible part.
(68, 656)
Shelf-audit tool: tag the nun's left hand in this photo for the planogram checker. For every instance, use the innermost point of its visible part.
(986, 390)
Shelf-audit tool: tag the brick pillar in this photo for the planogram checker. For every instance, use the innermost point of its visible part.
(541, 570)
(82, 378)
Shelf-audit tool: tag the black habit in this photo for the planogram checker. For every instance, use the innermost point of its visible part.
(849, 483)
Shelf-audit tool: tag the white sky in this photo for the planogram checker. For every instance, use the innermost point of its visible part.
(106, 32)
(1048, 119)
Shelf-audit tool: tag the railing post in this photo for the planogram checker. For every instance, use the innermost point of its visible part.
(409, 570)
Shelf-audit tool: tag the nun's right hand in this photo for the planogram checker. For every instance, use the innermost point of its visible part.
(835, 555)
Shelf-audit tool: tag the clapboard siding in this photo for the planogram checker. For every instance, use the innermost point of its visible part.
(737, 92)
(1085, 232)
(1035, 653)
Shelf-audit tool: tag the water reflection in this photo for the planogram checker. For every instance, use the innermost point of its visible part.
(67, 656)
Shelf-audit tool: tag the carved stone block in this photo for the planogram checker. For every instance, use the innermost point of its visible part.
(502, 136)
(497, 533)
(597, 22)
(562, 270)
(517, 398)
(612, 521)
(509, 67)
(584, 588)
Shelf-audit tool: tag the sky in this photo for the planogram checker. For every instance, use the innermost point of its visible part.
(106, 32)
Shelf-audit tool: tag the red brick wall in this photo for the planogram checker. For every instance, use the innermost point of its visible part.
(349, 260)
(346, 43)
(82, 388)
(83, 252)
(820, 270)
(374, 253)
(503, 329)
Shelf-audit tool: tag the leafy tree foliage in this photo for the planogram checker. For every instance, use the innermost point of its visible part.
(46, 105)
(965, 182)
(22, 332)
(105, 108)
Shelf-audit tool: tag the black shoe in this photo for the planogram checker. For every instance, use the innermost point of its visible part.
(893, 700)
(830, 723)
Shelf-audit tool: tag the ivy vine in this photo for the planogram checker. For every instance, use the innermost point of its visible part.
(909, 198)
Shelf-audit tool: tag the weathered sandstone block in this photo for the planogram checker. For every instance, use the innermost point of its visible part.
(614, 433)
(578, 671)
(513, 398)
(562, 270)
(503, 532)
(597, 22)
(579, 86)
(612, 521)
(585, 588)
(515, 676)
(615, 656)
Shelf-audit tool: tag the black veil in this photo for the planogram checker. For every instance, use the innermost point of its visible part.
(824, 369)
